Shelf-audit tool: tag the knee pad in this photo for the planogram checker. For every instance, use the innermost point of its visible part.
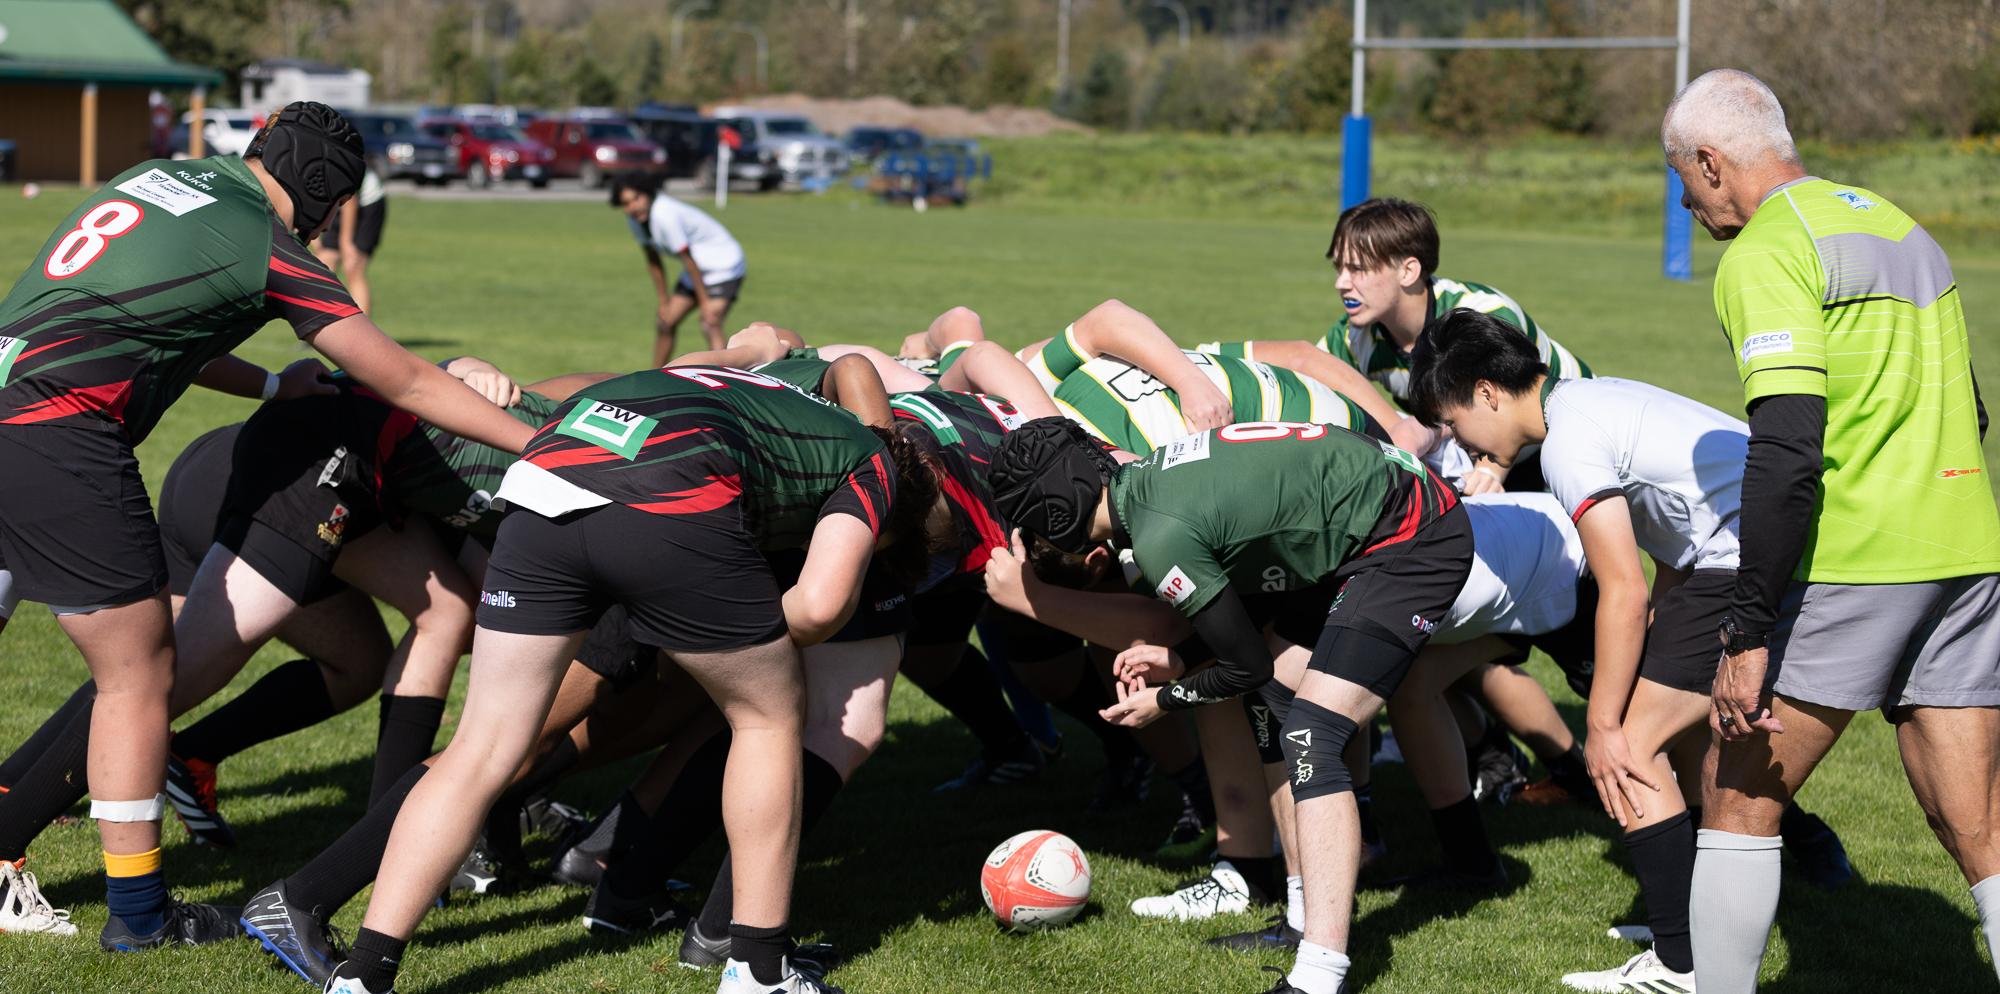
(1268, 708)
(129, 811)
(1314, 740)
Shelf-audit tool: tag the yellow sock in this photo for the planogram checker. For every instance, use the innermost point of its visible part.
(134, 865)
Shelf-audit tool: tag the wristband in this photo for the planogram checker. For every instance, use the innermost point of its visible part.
(270, 386)
(1495, 477)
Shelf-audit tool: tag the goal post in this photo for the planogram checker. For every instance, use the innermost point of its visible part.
(1356, 130)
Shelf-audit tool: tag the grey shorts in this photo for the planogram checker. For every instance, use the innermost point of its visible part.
(1861, 646)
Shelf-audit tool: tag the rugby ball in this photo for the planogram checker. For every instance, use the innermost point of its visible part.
(1035, 880)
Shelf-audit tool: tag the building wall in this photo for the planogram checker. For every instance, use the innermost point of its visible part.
(348, 90)
(45, 122)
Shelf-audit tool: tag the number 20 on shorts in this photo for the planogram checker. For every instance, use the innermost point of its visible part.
(93, 232)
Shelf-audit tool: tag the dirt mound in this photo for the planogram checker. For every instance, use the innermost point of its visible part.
(837, 116)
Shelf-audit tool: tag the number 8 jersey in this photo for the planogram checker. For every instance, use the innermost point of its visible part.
(169, 266)
(1267, 507)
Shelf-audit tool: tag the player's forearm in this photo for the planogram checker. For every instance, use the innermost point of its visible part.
(657, 271)
(1621, 638)
(1117, 329)
(1112, 620)
(852, 383)
(1341, 378)
(233, 376)
(564, 386)
(1242, 660)
(989, 368)
(695, 277)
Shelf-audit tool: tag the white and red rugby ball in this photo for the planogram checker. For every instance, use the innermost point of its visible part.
(1035, 880)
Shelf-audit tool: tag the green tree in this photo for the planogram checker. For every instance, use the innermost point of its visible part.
(1104, 97)
(218, 34)
(1010, 70)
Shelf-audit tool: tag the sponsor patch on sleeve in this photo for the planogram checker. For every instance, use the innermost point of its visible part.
(1176, 588)
(1769, 343)
(161, 190)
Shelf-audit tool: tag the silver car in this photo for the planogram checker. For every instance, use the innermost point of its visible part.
(780, 148)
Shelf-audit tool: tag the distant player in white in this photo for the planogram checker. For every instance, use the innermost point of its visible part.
(1638, 469)
(712, 263)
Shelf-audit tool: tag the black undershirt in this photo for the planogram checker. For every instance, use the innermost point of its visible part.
(1242, 660)
(1781, 475)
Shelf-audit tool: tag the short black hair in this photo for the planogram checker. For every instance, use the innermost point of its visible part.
(636, 180)
(1467, 346)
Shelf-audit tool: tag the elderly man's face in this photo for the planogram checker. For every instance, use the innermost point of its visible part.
(1705, 179)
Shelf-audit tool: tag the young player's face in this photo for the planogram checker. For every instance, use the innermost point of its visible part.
(1367, 291)
(1486, 426)
(635, 205)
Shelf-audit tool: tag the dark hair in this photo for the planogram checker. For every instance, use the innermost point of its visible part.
(1454, 354)
(1383, 231)
(636, 180)
(1053, 565)
(907, 558)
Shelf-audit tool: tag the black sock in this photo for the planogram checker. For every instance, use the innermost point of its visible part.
(288, 698)
(503, 823)
(15, 766)
(1264, 874)
(1364, 806)
(333, 877)
(1663, 860)
(1462, 836)
(1796, 824)
(762, 949)
(618, 829)
(57, 779)
(373, 959)
(690, 813)
(1193, 782)
(822, 783)
(403, 739)
(972, 695)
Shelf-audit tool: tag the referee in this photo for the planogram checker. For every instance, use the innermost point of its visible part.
(1870, 565)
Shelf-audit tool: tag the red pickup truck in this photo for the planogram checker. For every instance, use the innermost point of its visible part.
(488, 151)
(593, 148)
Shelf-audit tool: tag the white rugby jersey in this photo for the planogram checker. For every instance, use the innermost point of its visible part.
(1679, 464)
(1526, 559)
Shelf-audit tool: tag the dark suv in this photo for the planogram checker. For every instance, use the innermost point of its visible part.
(688, 137)
(397, 148)
(869, 143)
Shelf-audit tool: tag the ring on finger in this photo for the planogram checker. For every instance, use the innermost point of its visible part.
(1728, 721)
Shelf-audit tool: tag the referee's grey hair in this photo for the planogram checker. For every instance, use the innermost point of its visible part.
(1732, 112)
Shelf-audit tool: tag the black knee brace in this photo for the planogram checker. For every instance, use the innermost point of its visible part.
(1314, 740)
(1268, 707)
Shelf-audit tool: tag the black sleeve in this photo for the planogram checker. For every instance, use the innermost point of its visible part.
(1780, 488)
(300, 289)
(1242, 660)
(1978, 402)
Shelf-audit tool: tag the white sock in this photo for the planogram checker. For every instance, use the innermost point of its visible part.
(1295, 902)
(1731, 905)
(1986, 895)
(1317, 970)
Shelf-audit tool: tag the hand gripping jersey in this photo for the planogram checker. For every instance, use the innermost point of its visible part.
(1131, 409)
(968, 428)
(168, 267)
(1373, 351)
(1831, 291)
(1266, 507)
(694, 439)
(453, 479)
(1678, 463)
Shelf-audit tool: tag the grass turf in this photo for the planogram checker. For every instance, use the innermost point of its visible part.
(545, 288)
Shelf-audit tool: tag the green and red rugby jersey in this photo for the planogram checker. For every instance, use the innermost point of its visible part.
(169, 266)
(692, 439)
(968, 428)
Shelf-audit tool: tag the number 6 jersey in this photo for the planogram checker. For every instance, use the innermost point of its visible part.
(169, 266)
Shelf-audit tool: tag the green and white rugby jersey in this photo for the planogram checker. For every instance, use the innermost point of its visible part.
(1831, 291)
(1371, 350)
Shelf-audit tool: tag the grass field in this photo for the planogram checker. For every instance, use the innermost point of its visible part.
(545, 288)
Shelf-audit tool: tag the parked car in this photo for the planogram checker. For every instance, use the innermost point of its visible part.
(6, 160)
(592, 148)
(397, 148)
(224, 132)
(780, 148)
(490, 151)
(688, 137)
(869, 143)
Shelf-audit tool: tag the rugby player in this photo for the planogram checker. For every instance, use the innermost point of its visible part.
(712, 263)
(1385, 252)
(141, 292)
(1870, 573)
(1638, 469)
(600, 496)
(1332, 510)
